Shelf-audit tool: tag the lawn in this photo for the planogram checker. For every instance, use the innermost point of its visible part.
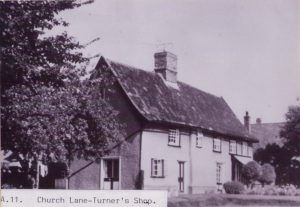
(226, 200)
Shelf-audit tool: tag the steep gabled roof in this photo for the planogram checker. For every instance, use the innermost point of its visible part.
(187, 105)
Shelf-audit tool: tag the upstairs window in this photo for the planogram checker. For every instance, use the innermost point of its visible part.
(199, 139)
(217, 145)
(250, 150)
(239, 148)
(157, 168)
(232, 147)
(174, 138)
(245, 149)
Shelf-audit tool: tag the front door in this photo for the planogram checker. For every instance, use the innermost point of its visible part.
(181, 176)
(111, 174)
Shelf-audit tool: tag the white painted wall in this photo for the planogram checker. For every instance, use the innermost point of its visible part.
(200, 165)
(204, 164)
(155, 145)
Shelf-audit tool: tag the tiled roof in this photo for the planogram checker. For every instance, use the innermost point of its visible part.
(267, 133)
(186, 105)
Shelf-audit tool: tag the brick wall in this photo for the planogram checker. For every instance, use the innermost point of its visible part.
(129, 151)
(88, 178)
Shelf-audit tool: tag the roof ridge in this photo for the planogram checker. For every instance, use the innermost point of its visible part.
(153, 73)
(130, 66)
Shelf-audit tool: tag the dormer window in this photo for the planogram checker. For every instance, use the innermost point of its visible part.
(174, 138)
(199, 139)
(217, 145)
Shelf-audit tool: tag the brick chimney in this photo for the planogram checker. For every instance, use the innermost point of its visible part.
(165, 64)
(247, 121)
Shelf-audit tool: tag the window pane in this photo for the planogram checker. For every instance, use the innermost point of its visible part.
(232, 147)
(199, 138)
(157, 168)
(116, 168)
(174, 137)
(245, 149)
(217, 145)
(239, 148)
(109, 168)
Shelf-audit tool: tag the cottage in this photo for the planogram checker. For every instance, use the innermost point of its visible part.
(179, 138)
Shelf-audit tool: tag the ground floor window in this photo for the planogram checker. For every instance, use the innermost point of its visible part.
(237, 168)
(157, 168)
(219, 173)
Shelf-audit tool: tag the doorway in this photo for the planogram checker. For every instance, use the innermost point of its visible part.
(181, 176)
(110, 178)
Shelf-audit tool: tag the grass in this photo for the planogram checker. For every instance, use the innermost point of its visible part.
(206, 200)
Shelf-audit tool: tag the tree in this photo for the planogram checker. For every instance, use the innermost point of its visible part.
(278, 157)
(268, 174)
(291, 131)
(285, 158)
(60, 124)
(47, 113)
(251, 172)
(28, 55)
(291, 135)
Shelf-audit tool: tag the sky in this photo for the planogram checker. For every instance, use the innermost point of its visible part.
(247, 51)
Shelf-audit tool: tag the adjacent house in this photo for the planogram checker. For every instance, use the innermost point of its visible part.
(178, 138)
(267, 133)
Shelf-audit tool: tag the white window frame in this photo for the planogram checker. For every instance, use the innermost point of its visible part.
(219, 179)
(250, 150)
(157, 168)
(232, 147)
(239, 149)
(174, 138)
(199, 139)
(244, 148)
(217, 145)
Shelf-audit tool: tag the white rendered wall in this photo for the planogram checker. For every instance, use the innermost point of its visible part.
(200, 163)
(204, 164)
(155, 145)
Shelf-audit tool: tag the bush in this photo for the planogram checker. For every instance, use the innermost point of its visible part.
(251, 172)
(268, 175)
(233, 187)
(286, 190)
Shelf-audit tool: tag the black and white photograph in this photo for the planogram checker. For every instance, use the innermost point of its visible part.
(197, 98)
